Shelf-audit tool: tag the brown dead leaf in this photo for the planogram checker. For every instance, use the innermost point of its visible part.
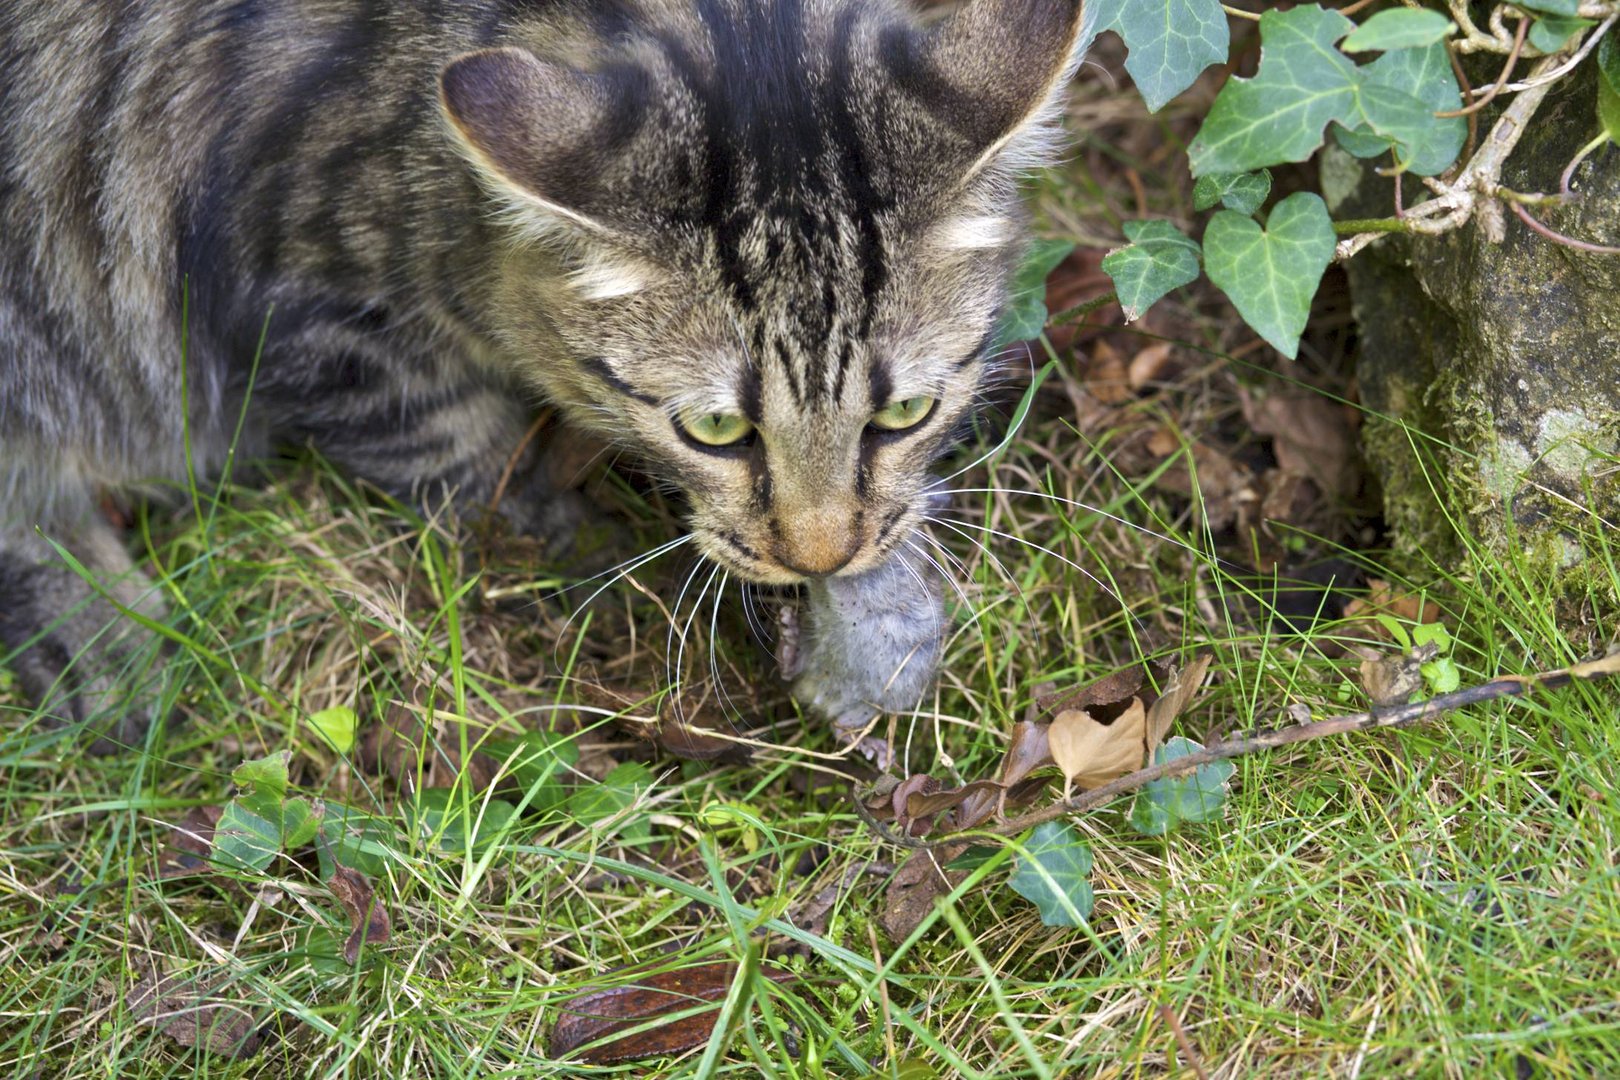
(1026, 752)
(1383, 599)
(1091, 754)
(1178, 694)
(1312, 436)
(1225, 487)
(366, 913)
(1150, 365)
(189, 1010)
(1105, 698)
(914, 888)
(603, 1013)
(1392, 680)
(190, 845)
(1106, 377)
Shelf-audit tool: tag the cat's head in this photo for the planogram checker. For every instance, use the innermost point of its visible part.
(766, 243)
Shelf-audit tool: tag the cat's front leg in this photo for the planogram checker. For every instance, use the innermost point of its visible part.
(870, 643)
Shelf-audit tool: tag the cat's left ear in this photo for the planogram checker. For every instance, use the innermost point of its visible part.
(993, 75)
(540, 133)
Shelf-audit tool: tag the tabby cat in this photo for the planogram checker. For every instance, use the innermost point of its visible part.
(761, 243)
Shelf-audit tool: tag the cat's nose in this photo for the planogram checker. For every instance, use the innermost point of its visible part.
(817, 543)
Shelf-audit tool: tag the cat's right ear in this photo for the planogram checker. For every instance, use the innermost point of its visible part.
(538, 132)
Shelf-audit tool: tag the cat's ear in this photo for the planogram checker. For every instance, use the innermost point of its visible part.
(994, 73)
(538, 131)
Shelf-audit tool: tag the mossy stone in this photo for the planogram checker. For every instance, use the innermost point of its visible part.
(1492, 370)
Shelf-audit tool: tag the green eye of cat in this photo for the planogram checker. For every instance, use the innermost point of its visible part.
(717, 429)
(903, 414)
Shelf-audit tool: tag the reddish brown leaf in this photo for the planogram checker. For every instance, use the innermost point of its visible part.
(190, 843)
(1150, 365)
(190, 1011)
(602, 1013)
(919, 786)
(1312, 436)
(1106, 376)
(1105, 699)
(366, 913)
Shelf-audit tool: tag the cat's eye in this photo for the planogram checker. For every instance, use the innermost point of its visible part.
(903, 414)
(717, 429)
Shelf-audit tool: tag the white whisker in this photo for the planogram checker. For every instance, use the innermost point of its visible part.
(962, 528)
(1143, 529)
(623, 570)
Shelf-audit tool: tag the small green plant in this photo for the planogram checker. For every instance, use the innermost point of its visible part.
(1316, 80)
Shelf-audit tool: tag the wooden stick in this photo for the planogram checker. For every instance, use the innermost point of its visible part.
(1386, 717)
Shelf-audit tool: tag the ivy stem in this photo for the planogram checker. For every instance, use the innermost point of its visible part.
(1356, 226)
(1081, 310)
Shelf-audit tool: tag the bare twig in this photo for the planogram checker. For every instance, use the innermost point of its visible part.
(1487, 95)
(1390, 717)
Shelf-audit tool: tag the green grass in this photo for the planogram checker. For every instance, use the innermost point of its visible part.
(1439, 901)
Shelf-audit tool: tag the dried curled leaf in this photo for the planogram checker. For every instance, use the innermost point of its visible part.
(1393, 679)
(601, 1014)
(367, 915)
(1105, 698)
(1178, 694)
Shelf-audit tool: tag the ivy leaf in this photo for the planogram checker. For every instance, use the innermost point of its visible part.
(267, 775)
(1270, 275)
(1550, 32)
(1303, 84)
(336, 726)
(1053, 874)
(300, 821)
(539, 760)
(1171, 42)
(1556, 7)
(1199, 796)
(1608, 107)
(1025, 314)
(1158, 259)
(261, 822)
(353, 838)
(1427, 143)
(1441, 675)
(246, 838)
(1400, 28)
(1243, 192)
(438, 815)
(618, 791)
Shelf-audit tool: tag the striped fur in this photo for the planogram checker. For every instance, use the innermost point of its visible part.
(797, 210)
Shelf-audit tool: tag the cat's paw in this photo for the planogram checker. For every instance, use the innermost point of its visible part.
(77, 659)
(870, 642)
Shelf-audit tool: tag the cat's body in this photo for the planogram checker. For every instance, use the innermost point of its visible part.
(761, 243)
